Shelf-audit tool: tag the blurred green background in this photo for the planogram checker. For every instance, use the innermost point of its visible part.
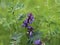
(47, 19)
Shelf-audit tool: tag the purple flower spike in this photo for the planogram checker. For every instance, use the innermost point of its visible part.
(38, 42)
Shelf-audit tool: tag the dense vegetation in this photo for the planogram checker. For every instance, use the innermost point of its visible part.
(47, 20)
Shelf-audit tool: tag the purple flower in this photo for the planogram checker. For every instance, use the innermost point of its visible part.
(30, 28)
(25, 23)
(31, 33)
(30, 18)
(38, 42)
(30, 14)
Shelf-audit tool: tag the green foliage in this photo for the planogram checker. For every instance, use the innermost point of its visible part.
(47, 20)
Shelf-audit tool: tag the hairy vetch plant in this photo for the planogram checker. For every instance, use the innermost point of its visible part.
(30, 30)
